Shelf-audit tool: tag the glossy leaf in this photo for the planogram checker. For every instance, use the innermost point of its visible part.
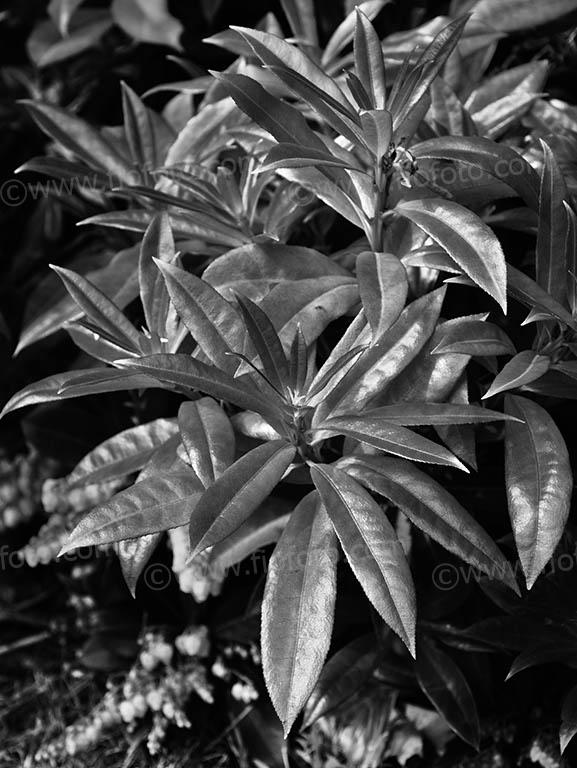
(236, 494)
(213, 323)
(343, 675)
(511, 15)
(126, 452)
(298, 608)
(182, 371)
(466, 238)
(445, 686)
(369, 62)
(383, 287)
(528, 292)
(432, 509)
(539, 483)
(475, 337)
(152, 505)
(524, 368)
(208, 438)
(344, 33)
(371, 548)
(266, 342)
(157, 243)
(390, 438)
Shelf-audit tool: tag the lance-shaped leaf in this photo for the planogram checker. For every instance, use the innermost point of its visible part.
(274, 51)
(383, 287)
(379, 365)
(525, 367)
(568, 719)
(445, 686)
(498, 160)
(342, 676)
(298, 608)
(93, 382)
(183, 371)
(571, 258)
(157, 243)
(80, 138)
(391, 438)
(100, 309)
(432, 509)
(528, 292)
(208, 438)
(266, 342)
(466, 238)
(520, 14)
(474, 337)
(344, 33)
(126, 452)
(369, 61)
(155, 504)
(417, 414)
(213, 323)
(301, 17)
(236, 494)
(371, 548)
(550, 264)
(539, 483)
(378, 131)
(263, 527)
(139, 130)
(297, 156)
(298, 362)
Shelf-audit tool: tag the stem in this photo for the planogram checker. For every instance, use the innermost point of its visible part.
(382, 184)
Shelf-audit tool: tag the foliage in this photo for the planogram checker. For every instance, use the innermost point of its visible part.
(322, 402)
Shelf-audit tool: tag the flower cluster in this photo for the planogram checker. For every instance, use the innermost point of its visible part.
(198, 577)
(21, 481)
(64, 507)
(230, 667)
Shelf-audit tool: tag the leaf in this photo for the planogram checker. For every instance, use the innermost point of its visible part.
(371, 548)
(571, 258)
(301, 17)
(298, 608)
(522, 369)
(445, 686)
(134, 555)
(262, 528)
(498, 160)
(213, 323)
(387, 437)
(466, 238)
(539, 483)
(298, 362)
(378, 131)
(180, 370)
(61, 11)
(80, 138)
(343, 675)
(369, 62)
(432, 509)
(139, 130)
(512, 15)
(297, 156)
(528, 292)
(208, 438)
(379, 365)
(308, 304)
(475, 337)
(236, 494)
(94, 381)
(550, 263)
(256, 268)
(266, 342)
(253, 425)
(416, 414)
(157, 243)
(147, 22)
(152, 505)
(383, 287)
(344, 33)
(568, 719)
(100, 309)
(123, 454)
(273, 51)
